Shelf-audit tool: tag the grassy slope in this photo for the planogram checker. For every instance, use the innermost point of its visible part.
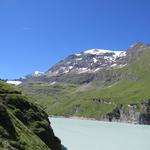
(24, 136)
(67, 100)
(22, 123)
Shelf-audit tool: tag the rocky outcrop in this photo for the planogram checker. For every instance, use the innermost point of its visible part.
(131, 115)
(145, 113)
(64, 148)
(138, 114)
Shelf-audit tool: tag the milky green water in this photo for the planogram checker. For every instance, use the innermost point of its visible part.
(78, 134)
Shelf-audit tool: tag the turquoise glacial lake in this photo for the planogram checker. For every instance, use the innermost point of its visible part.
(78, 134)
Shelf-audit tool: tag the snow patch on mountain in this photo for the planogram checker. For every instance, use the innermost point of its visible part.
(16, 83)
(96, 69)
(70, 67)
(97, 51)
(83, 70)
(78, 54)
(95, 60)
(38, 73)
(78, 59)
(115, 54)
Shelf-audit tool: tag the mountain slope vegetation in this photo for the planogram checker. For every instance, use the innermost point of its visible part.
(23, 125)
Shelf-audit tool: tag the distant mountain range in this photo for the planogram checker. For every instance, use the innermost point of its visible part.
(89, 63)
(96, 83)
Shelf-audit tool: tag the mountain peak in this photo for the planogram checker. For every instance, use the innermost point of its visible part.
(139, 45)
(97, 51)
(136, 50)
(102, 52)
(88, 61)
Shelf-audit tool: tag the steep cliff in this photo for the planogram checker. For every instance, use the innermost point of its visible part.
(133, 113)
(23, 125)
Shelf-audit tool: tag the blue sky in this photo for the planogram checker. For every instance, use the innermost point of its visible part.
(35, 34)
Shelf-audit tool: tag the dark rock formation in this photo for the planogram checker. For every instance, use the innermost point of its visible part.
(114, 115)
(64, 148)
(145, 113)
(130, 114)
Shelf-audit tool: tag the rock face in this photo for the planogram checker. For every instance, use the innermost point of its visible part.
(145, 113)
(120, 114)
(131, 114)
(23, 125)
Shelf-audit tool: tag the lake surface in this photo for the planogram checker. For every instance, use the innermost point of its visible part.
(78, 134)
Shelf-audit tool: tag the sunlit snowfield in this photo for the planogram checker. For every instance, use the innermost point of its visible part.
(78, 134)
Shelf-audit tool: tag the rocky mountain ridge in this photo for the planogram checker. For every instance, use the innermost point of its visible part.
(90, 65)
(89, 61)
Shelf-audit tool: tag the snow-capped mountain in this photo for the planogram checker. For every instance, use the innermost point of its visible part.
(90, 65)
(88, 61)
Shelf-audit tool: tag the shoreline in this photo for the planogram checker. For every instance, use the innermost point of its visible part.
(74, 117)
(93, 119)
